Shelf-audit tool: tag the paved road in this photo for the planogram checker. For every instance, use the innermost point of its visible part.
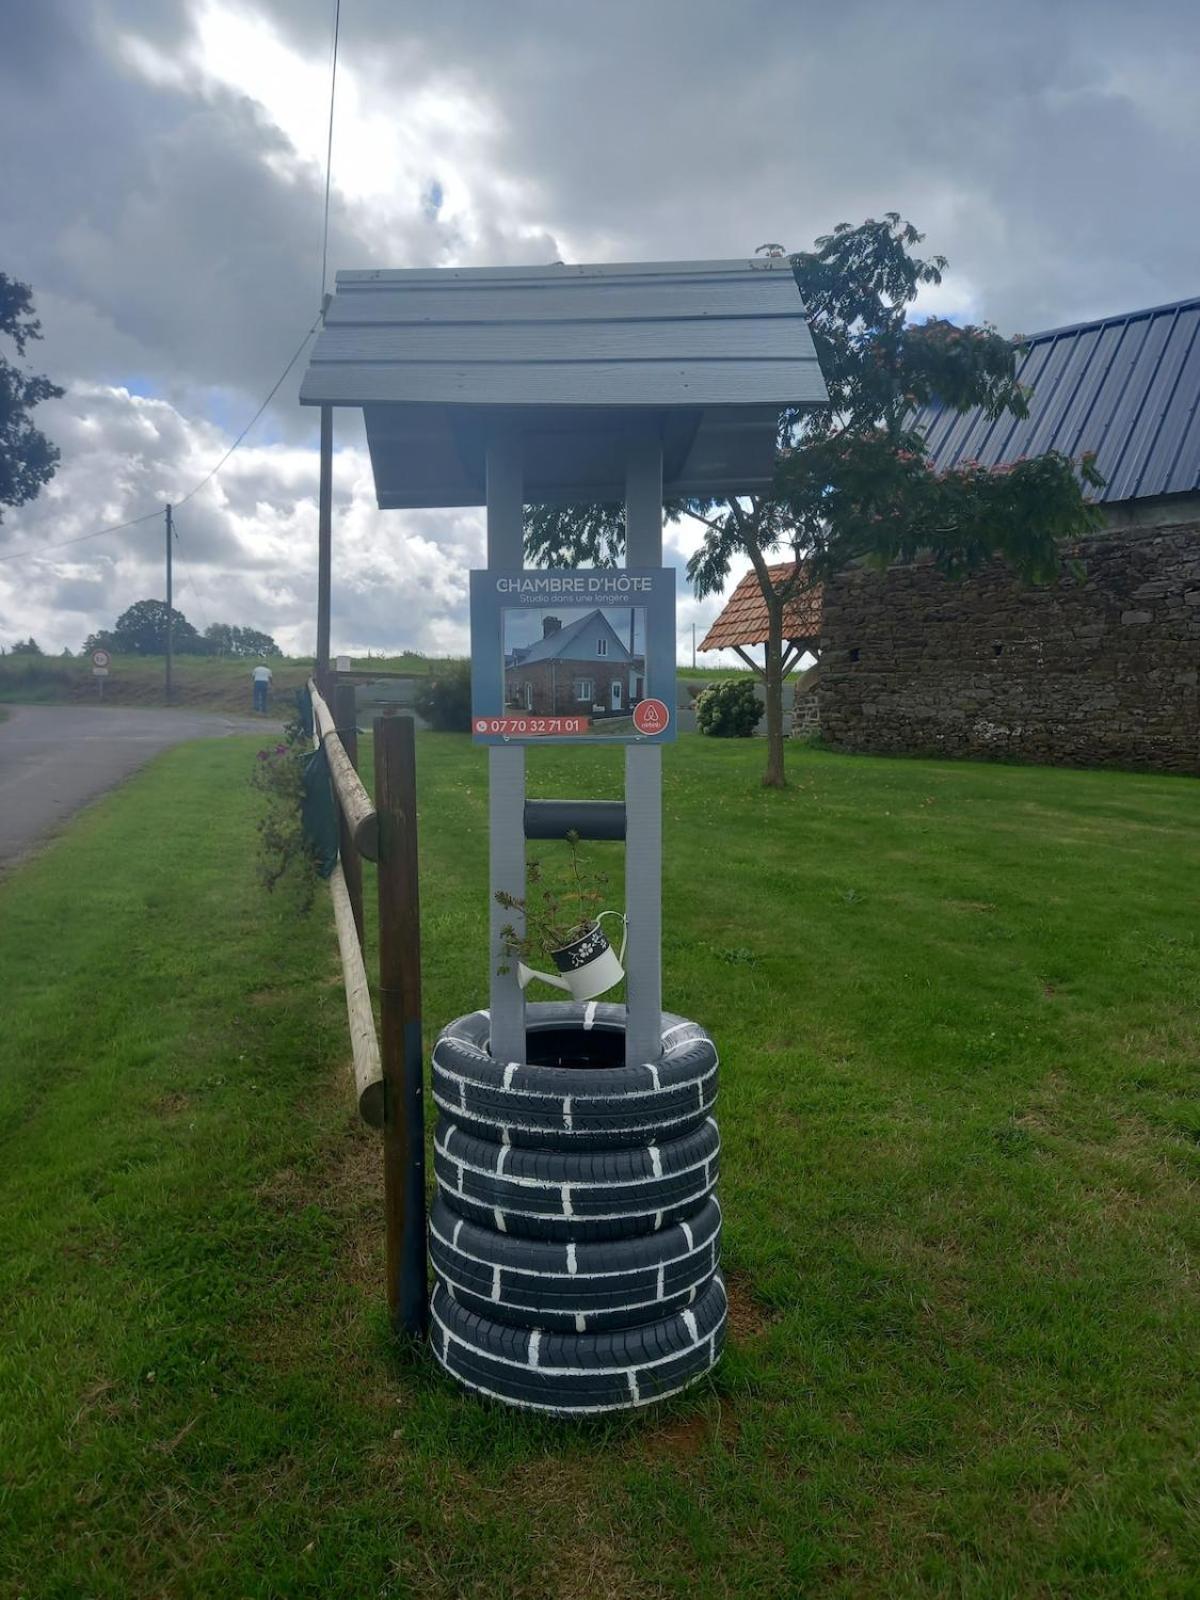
(54, 759)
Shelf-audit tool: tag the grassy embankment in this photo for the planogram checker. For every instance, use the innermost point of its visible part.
(207, 683)
(957, 1007)
(204, 682)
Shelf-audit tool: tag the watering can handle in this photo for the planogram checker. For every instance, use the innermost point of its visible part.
(624, 930)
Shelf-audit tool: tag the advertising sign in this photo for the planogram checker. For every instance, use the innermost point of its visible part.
(574, 656)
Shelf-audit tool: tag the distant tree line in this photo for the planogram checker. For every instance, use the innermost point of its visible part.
(142, 631)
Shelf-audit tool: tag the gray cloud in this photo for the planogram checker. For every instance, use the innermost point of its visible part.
(172, 231)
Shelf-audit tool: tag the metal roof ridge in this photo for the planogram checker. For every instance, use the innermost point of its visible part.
(566, 270)
(1110, 320)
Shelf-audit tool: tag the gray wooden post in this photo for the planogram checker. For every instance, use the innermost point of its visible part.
(324, 550)
(506, 765)
(643, 788)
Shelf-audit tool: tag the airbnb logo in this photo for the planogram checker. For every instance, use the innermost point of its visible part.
(651, 716)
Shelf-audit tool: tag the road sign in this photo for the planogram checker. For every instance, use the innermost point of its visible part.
(100, 660)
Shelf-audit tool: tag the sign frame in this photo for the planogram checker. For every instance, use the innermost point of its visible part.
(638, 607)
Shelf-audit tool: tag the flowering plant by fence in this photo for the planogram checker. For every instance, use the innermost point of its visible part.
(284, 851)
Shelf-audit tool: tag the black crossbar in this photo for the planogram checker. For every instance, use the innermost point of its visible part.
(590, 819)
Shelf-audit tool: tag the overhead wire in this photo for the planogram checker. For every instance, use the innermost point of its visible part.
(337, 23)
(35, 552)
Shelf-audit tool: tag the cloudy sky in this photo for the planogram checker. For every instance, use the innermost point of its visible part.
(162, 192)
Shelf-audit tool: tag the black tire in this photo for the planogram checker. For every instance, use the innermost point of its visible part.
(579, 1373)
(596, 1102)
(581, 1288)
(577, 1195)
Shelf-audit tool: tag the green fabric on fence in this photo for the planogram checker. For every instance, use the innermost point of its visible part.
(304, 709)
(318, 811)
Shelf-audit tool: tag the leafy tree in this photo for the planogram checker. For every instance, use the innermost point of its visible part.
(225, 640)
(853, 481)
(142, 630)
(27, 647)
(27, 458)
(102, 639)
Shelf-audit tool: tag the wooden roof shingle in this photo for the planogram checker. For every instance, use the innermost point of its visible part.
(744, 619)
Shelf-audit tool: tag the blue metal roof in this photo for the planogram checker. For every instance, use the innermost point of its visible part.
(1126, 388)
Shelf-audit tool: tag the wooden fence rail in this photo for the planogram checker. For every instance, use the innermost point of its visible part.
(388, 1080)
(353, 799)
(368, 1069)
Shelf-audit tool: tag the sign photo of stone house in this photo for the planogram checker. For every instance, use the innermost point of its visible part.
(582, 663)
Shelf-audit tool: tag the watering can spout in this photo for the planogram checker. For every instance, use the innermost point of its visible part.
(526, 975)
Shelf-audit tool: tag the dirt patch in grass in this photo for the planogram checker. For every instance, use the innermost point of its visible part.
(264, 997)
(748, 1316)
(689, 1437)
(173, 1104)
(679, 1438)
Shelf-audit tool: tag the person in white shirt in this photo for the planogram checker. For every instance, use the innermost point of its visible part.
(262, 683)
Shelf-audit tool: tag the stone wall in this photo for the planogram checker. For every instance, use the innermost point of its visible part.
(1097, 669)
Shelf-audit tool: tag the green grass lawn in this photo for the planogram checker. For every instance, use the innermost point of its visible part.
(957, 1007)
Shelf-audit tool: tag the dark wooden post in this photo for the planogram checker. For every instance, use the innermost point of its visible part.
(345, 713)
(400, 1011)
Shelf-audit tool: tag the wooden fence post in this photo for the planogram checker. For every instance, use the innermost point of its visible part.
(400, 1013)
(345, 713)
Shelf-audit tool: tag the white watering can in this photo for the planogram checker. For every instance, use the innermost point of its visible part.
(587, 966)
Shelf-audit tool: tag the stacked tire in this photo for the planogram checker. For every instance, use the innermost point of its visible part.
(576, 1234)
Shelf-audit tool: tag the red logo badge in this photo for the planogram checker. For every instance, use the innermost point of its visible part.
(651, 716)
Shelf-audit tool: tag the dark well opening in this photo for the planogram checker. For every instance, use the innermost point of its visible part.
(572, 1047)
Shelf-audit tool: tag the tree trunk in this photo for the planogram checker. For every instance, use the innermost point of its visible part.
(773, 777)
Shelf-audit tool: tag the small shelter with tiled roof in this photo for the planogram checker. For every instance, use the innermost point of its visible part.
(743, 622)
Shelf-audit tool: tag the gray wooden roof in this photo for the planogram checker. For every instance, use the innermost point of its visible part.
(1125, 387)
(576, 358)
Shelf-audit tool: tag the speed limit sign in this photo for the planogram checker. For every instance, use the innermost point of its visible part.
(100, 660)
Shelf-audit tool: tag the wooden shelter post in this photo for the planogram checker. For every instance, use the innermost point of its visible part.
(506, 766)
(324, 549)
(643, 787)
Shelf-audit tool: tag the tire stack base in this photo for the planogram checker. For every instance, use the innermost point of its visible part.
(576, 1234)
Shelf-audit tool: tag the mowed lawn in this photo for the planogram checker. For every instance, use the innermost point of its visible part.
(958, 1009)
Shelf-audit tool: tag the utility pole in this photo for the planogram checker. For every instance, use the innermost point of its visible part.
(170, 622)
(693, 647)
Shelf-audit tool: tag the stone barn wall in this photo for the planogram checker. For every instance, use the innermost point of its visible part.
(1097, 669)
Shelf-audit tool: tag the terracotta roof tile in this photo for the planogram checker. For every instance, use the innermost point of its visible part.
(744, 619)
